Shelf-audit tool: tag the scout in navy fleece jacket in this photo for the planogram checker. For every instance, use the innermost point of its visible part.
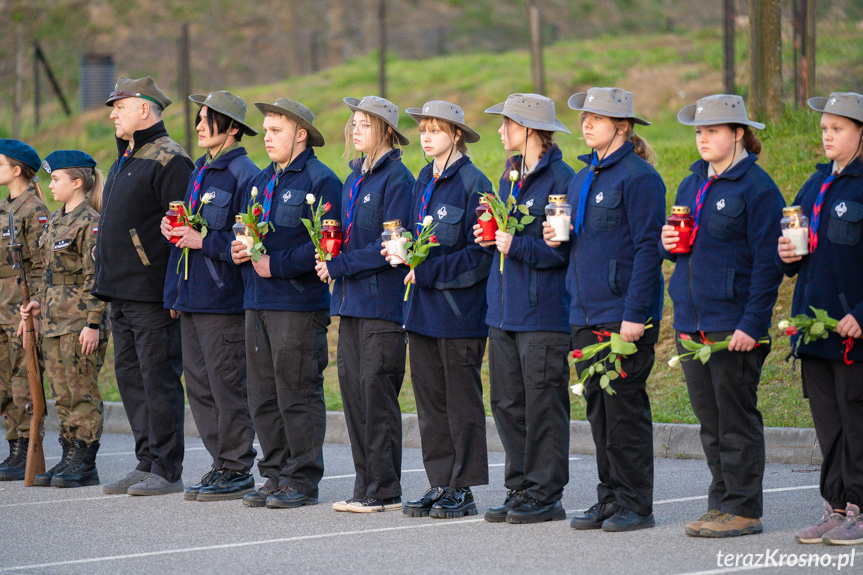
(367, 295)
(211, 300)
(615, 281)
(444, 317)
(287, 311)
(528, 332)
(831, 278)
(726, 287)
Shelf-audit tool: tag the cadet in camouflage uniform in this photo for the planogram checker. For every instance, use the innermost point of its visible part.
(18, 166)
(74, 337)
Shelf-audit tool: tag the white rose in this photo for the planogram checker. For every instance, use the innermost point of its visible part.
(674, 361)
(208, 197)
(254, 192)
(427, 221)
(513, 175)
(310, 199)
(578, 389)
(784, 324)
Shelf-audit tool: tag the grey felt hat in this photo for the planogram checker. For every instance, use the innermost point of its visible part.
(441, 110)
(531, 111)
(611, 102)
(138, 88)
(717, 109)
(847, 104)
(381, 108)
(296, 112)
(228, 104)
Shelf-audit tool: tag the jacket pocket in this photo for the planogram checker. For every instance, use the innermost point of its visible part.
(845, 222)
(605, 209)
(289, 208)
(614, 278)
(449, 220)
(370, 211)
(216, 212)
(726, 218)
(139, 247)
(534, 228)
(730, 292)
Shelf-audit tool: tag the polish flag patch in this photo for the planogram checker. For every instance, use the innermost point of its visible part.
(43, 220)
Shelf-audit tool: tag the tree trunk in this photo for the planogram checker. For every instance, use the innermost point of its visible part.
(729, 47)
(765, 60)
(537, 69)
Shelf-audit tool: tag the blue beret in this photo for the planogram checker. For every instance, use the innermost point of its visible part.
(24, 153)
(62, 159)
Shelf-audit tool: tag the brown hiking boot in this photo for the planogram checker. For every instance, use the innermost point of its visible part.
(728, 525)
(693, 528)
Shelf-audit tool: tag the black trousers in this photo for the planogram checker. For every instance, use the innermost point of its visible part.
(371, 360)
(214, 363)
(448, 391)
(286, 353)
(835, 393)
(621, 424)
(529, 378)
(148, 364)
(724, 397)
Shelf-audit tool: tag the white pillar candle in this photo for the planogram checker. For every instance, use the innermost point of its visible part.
(248, 241)
(396, 247)
(800, 238)
(560, 224)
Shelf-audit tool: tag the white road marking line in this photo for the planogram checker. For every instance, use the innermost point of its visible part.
(53, 501)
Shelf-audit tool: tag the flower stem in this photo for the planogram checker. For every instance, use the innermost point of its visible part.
(407, 290)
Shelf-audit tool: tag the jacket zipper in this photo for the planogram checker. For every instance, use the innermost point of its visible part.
(691, 299)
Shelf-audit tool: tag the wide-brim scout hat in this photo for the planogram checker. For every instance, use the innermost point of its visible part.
(18, 150)
(296, 112)
(611, 102)
(531, 111)
(717, 109)
(138, 88)
(847, 104)
(441, 110)
(227, 104)
(381, 108)
(62, 159)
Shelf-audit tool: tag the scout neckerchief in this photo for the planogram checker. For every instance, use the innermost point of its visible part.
(352, 203)
(268, 193)
(429, 188)
(816, 212)
(696, 207)
(125, 155)
(584, 192)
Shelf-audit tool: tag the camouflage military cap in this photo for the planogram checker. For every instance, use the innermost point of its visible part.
(228, 104)
(62, 159)
(138, 88)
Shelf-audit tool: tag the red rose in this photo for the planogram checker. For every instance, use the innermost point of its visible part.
(577, 354)
(256, 211)
(327, 207)
(433, 239)
(686, 337)
(791, 330)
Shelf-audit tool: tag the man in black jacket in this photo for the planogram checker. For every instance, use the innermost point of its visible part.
(151, 171)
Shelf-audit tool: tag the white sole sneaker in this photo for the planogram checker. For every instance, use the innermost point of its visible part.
(358, 507)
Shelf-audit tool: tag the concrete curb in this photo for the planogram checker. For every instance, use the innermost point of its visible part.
(792, 445)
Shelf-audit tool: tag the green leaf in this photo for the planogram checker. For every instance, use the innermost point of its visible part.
(592, 370)
(704, 354)
(523, 209)
(817, 328)
(527, 219)
(621, 347)
(612, 375)
(203, 232)
(486, 216)
(689, 345)
(604, 382)
(600, 367)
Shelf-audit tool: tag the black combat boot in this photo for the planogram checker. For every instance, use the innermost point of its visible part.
(44, 479)
(81, 470)
(13, 470)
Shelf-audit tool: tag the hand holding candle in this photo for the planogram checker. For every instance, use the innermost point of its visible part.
(795, 227)
(558, 214)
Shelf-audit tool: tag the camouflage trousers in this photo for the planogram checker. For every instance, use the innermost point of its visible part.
(14, 388)
(73, 378)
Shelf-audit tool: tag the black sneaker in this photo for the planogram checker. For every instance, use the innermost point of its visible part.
(594, 517)
(229, 484)
(288, 498)
(498, 514)
(422, 506)
(533, 511)
(628, 520)
(456, 502)
(259, 498)
(372, 504)
(191, 492)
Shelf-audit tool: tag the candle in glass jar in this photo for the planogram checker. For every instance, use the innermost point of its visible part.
(489, 225)
(394, 242)
(558, 214)
(175, 212)
(681, 220)
(795, 227)
(241, 233)
(331, 237)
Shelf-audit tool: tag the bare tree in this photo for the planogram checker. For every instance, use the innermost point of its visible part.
(537, 69)
(765, 59)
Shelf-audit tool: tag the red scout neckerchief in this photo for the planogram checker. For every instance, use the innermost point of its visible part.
(352, 203)
(816, 212)
(696, 208)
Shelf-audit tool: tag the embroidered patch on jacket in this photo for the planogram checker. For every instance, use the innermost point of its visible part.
(599, 197)
(286, 196)
(720, 204)
(441, 213)
(841, 208)
(529, 203)
(367, 198)
(62, 244)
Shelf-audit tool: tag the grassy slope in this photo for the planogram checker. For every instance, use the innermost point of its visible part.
(665, 72)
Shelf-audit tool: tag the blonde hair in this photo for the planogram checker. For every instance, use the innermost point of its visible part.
(640, 145)
(380, 133)
(28, 174)
(453, 131)
(93, 182)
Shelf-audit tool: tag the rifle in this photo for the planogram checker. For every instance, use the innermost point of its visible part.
(36, 407)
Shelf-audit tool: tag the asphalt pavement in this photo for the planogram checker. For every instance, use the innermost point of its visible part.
(84, 531)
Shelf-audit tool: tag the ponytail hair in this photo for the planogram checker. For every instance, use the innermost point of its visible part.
(640, 145)
(546, 141)
(28, 174)
(93, 182)
(750, 141)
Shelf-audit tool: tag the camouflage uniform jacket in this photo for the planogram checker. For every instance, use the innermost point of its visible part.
(31, 216)
(67, 250)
